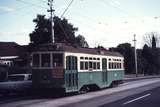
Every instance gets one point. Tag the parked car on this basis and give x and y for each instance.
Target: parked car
(16, 83)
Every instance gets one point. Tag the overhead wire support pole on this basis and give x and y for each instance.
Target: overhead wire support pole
(51, 10)
(135, 54)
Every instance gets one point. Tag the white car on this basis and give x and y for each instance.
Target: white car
(16, 83)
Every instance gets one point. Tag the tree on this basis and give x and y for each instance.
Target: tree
(128, 52)
(152, 38)
(153, 42)
(80, 40)
(64, 32)
(152, 58)
(41, 33)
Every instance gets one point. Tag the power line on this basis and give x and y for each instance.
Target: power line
(67, 8)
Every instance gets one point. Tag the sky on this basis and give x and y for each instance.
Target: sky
(102, 22)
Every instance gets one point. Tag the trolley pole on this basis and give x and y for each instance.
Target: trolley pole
(51, 10)
(135, 54)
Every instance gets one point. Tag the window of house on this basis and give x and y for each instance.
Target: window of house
(36, 60)
(45, 60)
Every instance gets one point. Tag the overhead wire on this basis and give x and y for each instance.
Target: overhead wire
(67, 8)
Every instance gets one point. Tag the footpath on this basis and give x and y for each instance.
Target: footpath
(132, 77)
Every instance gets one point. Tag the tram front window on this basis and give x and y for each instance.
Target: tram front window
(36, 60)
(45, 60)
(57, 60)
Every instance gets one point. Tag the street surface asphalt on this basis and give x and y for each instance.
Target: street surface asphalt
(140, 93)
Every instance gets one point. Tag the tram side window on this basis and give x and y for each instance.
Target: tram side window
(98, 65)
(94, 65)
(57, 60)
(45, 60)
(82, 65)
(86, 65)
(90, 65)
(36, 60)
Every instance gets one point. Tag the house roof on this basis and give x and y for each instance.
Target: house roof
(9, 49)
(74, 49)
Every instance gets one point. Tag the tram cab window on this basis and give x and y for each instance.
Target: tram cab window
(45, 60)
(57, 60)
(36, 60)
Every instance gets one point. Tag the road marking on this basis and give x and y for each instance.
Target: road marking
(136, 99)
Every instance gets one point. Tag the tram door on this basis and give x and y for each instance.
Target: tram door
(104, 71)
(71, 74)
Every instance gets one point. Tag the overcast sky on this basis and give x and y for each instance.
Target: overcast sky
(102, 22)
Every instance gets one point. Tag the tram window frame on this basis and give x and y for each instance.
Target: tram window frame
(37, 64)
(98, 65)
(46, 60)
(81, 57)
(94, 65)
(90, 58)
(86, 58)
(90, 64)
(81, 65)
(57, 60)
(110, 65)
(120, 65)
(86, 65)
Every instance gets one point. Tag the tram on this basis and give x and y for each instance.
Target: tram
(71, 68)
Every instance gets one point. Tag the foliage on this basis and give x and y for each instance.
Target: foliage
(64, 32)
(128, 52)
(151, 38)
(151, 54)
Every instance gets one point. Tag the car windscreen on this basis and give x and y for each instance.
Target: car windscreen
(16, 78)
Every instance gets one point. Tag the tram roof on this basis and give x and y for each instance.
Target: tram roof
(74, 49)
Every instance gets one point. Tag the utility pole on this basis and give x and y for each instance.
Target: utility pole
(135, 54)
(51, 10)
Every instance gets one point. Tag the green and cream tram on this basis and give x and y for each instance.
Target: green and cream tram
(59, 66)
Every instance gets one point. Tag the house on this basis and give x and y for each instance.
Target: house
(8, 52)
(14, 56)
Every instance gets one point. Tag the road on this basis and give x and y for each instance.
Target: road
(149, 98)
(126, 94)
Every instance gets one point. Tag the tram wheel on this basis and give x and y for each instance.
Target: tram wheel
(84, 90)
